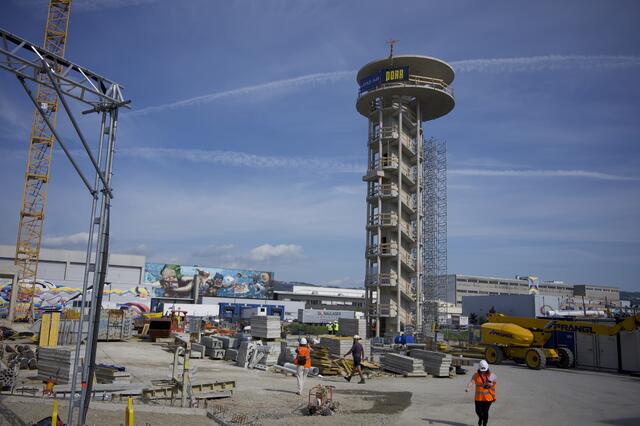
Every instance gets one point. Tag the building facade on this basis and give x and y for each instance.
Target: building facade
(397, 95)
(473, 285)
(335, 298)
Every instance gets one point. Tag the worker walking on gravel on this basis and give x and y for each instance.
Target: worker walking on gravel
(485, 383)
(357, 353)
(303, 362)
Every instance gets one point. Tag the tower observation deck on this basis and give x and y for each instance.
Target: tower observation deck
(396, 95)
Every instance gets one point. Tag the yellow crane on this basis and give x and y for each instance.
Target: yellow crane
(34, 198)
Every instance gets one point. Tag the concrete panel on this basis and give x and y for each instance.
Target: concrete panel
(586, 350)
(608, 352)
(630, 350)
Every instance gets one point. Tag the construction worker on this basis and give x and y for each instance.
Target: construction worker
(357, 353)
(485, 383)
(330, 327)
(336, 328)
(303, 362)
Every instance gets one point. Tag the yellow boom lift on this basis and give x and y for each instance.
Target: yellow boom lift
(526, 340)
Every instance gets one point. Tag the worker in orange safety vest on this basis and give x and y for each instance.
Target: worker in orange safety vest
(485, 383)
(303, 362)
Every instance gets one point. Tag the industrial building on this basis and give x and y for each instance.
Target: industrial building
(473, 285)
(396, 95)
(334, 298)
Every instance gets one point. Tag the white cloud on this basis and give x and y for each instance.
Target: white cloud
(272, 86)
(540, 173)
(546, 63)
(242, 159)
(72, 240)
(496, 65)
(269, 253)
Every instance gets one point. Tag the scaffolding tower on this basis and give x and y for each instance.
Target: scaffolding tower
(434, 236)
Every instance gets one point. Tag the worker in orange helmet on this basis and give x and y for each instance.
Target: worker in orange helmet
(485, 383)
(303, 362)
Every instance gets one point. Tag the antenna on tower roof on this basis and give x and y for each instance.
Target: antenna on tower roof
(391, 43)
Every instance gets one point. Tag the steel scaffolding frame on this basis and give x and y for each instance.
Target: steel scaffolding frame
(434, 235)
(68, 80)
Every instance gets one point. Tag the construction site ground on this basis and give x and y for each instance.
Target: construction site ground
(525, 397)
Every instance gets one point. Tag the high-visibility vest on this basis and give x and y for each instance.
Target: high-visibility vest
(305, 352)
(329, 327)
(482, 393)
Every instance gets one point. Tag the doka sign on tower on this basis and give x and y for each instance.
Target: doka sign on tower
(388, 75)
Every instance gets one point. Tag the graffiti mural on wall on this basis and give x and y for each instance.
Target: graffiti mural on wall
(49, 295)
(185, 282)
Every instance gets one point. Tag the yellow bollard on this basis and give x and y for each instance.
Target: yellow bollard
(54, 413)
(128, 417)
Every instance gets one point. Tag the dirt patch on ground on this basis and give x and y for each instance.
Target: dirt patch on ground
(383, 402)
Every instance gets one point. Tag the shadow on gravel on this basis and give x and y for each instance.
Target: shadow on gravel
(281, 391)
(383, 402)
(631, 421)
(443, 422)
(9, 416)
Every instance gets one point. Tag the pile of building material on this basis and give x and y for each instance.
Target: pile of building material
(401, 364)
(437, 364)
(265, 327)
(112, 374)
(7, 377)
(320, 358)
(213, 347)
(246, 353)
(115, 325)
(338, 346)
(352, 326)
(21, 356)
(56, 363)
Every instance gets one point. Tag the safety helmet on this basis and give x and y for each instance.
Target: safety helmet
(356, 337)
(303, 341)
(484, 365)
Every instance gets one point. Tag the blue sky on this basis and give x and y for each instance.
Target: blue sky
(243, 146)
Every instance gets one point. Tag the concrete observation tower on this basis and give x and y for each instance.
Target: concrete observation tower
(397, 95)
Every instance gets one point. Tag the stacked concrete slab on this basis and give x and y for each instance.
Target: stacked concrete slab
(56, 362)
(402, 364)
(435, 363)
(339, 346)
(265, 327)
(228, 342)
(246, 352)
(352, 326)
(231, 354)
(212, 342)
(106, 374)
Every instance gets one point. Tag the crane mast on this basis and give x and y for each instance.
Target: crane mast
(34, 198)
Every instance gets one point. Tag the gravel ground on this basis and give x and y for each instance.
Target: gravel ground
(525, 396)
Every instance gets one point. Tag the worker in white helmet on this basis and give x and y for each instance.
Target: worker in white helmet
(357, 352)
(303, 362)
(485, 383)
